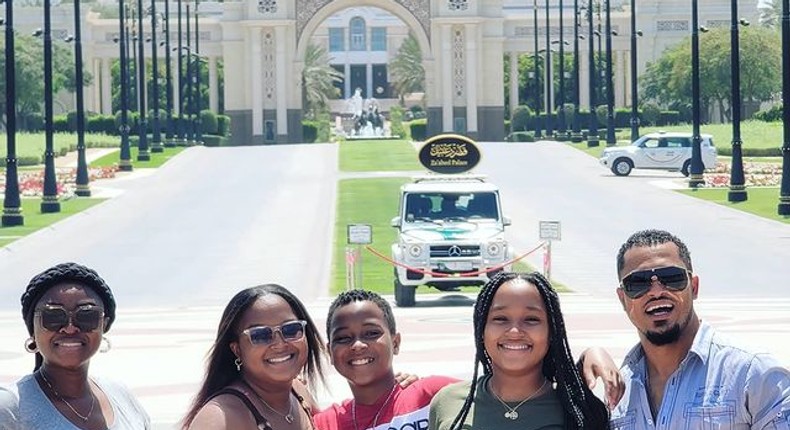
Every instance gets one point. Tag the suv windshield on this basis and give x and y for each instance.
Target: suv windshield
(440, 206)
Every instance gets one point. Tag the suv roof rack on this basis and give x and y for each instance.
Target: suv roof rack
(448, 178)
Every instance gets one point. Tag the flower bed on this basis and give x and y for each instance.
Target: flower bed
(755, 175)
(31, 182)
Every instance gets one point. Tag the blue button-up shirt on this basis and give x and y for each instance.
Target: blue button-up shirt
(717, 386)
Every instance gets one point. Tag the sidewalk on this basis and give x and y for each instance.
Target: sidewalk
(70, 159)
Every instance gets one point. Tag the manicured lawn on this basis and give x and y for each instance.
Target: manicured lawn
(157, 158)
(377, 155)
(35, 220)
(32, 144)
(755, 134)
(761, 202)
(367, 201)
(380, 197)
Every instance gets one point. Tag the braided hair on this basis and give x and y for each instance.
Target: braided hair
(583, 411)
(220, 368)
(59, 274)
(357, 295)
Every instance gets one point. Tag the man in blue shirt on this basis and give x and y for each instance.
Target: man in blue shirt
(682, 374)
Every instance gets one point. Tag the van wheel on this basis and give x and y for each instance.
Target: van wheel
(404, 294)
(622, 167)
(686, 169)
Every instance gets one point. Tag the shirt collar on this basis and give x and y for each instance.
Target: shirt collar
(635, 359)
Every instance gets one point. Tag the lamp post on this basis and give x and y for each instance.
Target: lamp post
(156, 134)
(537, 70)
(562, 126)
(125, 163)
(549, 80)
(12, 208)
(190, 125)
(695, 179)
(168, 80)
(592, 134)
(784, 190)
(737, 191)
(49, 201)
(577, 132)
(143, 153)
(83, 189)
(197, 123)
(634, 87)
(180, 127)
(611, 140)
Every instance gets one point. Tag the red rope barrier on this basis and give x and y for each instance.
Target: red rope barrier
(447, 275)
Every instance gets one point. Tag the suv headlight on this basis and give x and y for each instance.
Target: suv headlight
(414, 250)
(494, 248)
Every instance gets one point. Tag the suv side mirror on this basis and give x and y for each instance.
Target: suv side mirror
(395, 222)
(506, 221)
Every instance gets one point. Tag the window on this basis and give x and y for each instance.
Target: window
(357, 31)
(378, 39)
(337, 40)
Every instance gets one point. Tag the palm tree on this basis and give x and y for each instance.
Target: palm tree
(770, 13)
(318, 79)
(407, 70)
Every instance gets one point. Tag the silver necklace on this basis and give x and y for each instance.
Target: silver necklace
(288, 417)
(55, 392)
(511, 413)
(376, 417)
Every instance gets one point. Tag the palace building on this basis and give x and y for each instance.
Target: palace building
(261, 44)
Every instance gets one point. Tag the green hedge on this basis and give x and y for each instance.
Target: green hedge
(520, 136)
(309, 131)
(771, 114)
(751, 152)
(208, 122)
(419, 129)
(214, 140)
(223, 125)
(24, 161)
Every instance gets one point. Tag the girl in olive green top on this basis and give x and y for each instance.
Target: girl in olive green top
(529, 379)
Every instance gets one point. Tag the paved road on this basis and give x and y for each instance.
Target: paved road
(734, 253)
(180, 240)
(208, 223)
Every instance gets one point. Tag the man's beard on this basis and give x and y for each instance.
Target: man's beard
(665, 337)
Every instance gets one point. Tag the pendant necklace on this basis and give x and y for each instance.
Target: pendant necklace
(288, 417)
(512, 413)
(376, 418)
(84, 418)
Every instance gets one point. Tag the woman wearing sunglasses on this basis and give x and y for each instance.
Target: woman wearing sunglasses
(265, 341)
(67, 309)
(529, 379)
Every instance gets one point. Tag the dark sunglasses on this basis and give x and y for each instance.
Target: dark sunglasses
(637, 283)
(264, 335)
(86, 318)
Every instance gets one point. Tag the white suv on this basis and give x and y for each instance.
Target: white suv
(662, 151)
(451, 231)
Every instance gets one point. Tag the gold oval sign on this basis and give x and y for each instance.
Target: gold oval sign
(449, 154)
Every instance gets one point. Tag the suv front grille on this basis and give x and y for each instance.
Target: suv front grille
(450, 251)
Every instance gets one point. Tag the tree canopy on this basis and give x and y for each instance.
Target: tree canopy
(318, 78)
(668, 80)
(29, 80)
(406, 68)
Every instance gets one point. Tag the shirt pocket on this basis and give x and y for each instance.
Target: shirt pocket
(710, 417)
(781, 422)
(626, 422)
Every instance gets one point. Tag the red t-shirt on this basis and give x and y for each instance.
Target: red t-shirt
(407, 409)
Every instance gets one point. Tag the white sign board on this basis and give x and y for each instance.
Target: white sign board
(360, 234)
(550, 230)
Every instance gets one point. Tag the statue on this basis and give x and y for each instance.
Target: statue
(365, 122)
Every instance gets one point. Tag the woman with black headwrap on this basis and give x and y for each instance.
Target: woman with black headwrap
(67, 309)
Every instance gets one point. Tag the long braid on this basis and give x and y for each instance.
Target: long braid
(482, 306)
(583, 411)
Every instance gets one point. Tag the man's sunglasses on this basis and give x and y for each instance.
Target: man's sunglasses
(264, 335)
(637, 283)
(86, 318)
